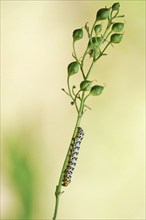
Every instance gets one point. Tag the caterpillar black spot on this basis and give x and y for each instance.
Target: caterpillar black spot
(73, 157)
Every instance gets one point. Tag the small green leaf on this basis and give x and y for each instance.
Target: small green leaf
(117, 27)
(116, 6)
(96, 90)
(116, 38)
(102, 14)
(77, 34)
(73, 68)
(85, 85)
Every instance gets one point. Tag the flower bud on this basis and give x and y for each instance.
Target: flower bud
(98, 28)
(117, 27)
(77, 34)
(73, 68)
(85, 85)
(102, 14)
(96, 90)
(116, 38)
(116, 6)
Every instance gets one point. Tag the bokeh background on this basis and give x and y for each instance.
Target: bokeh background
(38, 120)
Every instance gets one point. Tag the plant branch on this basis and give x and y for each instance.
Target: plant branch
(71, 94)
(79, 64)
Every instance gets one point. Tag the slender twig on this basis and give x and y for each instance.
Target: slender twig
(80, 113)
(79, 64)
(71, 94)
(59, 186)
(66, 92)
(103, 51)
(93, 61)
(85, 53)
(74, 52)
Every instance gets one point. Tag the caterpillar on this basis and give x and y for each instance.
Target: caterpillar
(73, 157)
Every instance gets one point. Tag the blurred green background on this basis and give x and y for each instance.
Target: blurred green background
(37, 119)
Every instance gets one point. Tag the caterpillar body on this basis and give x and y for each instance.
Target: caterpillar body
(73, 157)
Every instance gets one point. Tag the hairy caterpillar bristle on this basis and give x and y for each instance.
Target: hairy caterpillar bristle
(73, 157)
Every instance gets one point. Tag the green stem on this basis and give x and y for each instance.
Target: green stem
(74, 51)
(66, 92)
(84, 55)
(107, 35)
(79, 117)
(80, 110)
(75, 56)
(103, 51)
(81, 68)
(78, 121)
(108, 26)
(106, 30)
(57, 195)
(76, 96)
(93, 61)
(59, 186)
(69, 90)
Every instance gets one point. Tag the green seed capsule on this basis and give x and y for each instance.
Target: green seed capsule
(102, 14)
(116, 38)
(85, 85)
(94, 52)
(98, 28)
(77, 34)
(96, 42)
(117, 27)
(116, 6)
(96, 90)
(73, 68)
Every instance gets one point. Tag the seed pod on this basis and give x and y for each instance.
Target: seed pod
(98, 28)
(117, 27)
(77, 34)
(96, 90)
(116, 6)
(85, 85)
(73, 68)
(102, 14)
(116, 38)
(94, 52)
(96, 42)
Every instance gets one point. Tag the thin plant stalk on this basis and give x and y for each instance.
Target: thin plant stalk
(96, 46)
(58, 191)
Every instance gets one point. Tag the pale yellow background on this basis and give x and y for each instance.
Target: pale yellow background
(36, 48)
